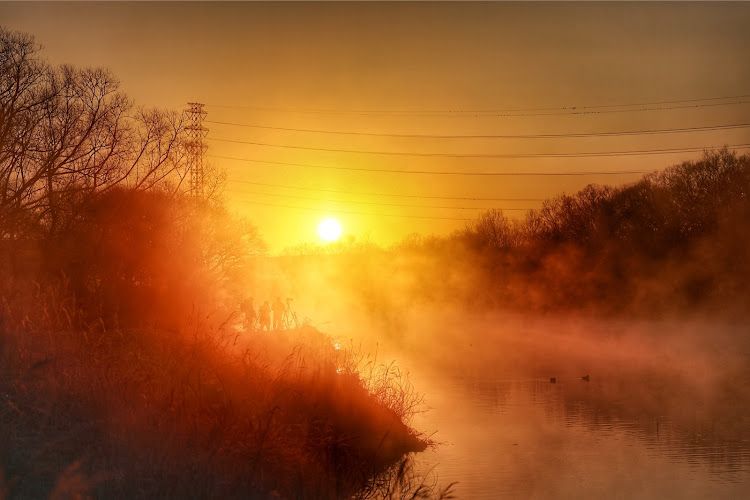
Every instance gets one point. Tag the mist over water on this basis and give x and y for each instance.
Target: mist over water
(597, 349)
(664, 421)
(659, 418)
(662, 415)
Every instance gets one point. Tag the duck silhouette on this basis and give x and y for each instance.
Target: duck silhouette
(553, 380)
(585, 378)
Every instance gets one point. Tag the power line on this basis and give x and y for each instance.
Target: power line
(383, 194)
(488, 155)
(350, 212)
(493, 136)
(372, 202)
(432, 172)
(561, 110)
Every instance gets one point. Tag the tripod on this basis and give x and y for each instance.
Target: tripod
(289, 318)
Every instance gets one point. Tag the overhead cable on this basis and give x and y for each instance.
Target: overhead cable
(433, 172)
(493, 136)
(382, 194)
(487, 155)
(543, 111)
(278, 195)
(350, 212)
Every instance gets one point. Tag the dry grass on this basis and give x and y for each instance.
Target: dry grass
(402, 482)
(203, 413)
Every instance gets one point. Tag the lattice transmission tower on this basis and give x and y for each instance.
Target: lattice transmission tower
(195, 146)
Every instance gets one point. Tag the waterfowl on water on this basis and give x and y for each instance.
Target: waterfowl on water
(553, 380)
(585, 378)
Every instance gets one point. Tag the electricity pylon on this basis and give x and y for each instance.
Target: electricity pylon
(195, 146)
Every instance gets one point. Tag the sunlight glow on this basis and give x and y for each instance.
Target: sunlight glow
(329, 229)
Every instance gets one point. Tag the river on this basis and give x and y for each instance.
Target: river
(665, 418)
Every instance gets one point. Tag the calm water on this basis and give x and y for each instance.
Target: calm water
(519, 438)
(620, 436)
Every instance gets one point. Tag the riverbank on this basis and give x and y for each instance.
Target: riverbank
(203, 414)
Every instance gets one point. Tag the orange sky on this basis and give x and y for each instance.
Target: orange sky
(415, 69)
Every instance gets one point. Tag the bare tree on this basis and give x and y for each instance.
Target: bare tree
(494, 229)
(67, 133)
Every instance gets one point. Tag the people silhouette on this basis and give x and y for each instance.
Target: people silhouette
(278, 311)
(248, 309)
(265, 316)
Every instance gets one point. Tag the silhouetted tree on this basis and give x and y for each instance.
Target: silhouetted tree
(92, 197)
(66, 134)
(680, 233)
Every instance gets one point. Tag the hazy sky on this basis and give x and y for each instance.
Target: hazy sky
(416, 69)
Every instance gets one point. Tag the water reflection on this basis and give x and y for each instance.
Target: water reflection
(528, 438)
(406, 479)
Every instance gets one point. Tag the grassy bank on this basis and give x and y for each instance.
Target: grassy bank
(202, 413)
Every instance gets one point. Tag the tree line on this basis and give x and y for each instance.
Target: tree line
(674, 239)
(95, 201)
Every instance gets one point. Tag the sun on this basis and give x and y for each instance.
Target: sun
(329, 229)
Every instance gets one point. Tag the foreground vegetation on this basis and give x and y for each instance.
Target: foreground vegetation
(206, 414)
(124, 371)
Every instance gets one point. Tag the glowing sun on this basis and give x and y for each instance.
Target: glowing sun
(329, 229)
